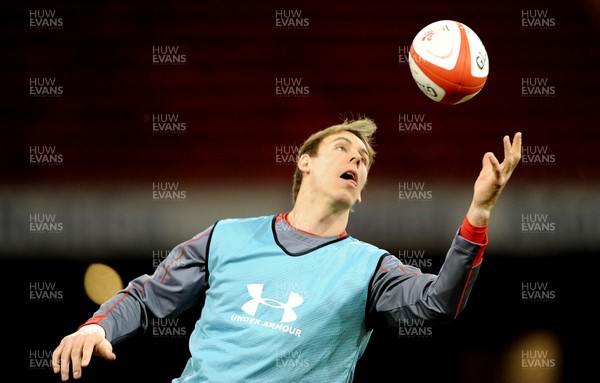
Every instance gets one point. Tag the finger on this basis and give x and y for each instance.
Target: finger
(512, 153)
(490, 160)
(508, 153)
(88, 349)
(56, 359)
(65, 361)
(516, 148)
(76, 352)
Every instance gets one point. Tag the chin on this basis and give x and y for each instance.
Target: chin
(347, 204)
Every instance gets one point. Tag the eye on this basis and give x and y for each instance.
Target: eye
(363, 160)
(340, 148)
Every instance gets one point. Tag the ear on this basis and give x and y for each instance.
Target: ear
(304, 163)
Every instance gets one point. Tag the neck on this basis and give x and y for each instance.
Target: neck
(319, 220)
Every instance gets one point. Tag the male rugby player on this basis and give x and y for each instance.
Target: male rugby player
(295, 283)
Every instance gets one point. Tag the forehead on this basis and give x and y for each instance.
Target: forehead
(345, 136)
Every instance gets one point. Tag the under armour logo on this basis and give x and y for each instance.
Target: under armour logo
(255, 291)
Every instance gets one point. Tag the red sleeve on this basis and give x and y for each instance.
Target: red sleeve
(476, 234)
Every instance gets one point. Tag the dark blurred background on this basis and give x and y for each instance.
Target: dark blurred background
(127, 128)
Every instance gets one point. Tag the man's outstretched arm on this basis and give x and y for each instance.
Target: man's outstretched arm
(403, 292)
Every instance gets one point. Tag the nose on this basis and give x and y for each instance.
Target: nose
(356, 159)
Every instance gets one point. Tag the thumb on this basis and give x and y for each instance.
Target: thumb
(105, 350)
(490, 161)
(487, 158)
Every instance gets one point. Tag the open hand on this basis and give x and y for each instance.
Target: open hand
(492, 179)
(77, 348)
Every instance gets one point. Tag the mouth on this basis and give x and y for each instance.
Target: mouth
(350, 176)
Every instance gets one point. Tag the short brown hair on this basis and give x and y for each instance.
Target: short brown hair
(364, 128)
